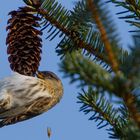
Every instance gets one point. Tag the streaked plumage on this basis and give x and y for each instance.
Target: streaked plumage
(23, 97)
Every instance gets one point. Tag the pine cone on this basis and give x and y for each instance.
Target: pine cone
(24, 42)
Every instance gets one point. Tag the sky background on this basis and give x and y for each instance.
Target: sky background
(65, 120)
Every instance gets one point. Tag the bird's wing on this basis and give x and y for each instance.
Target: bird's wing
(30, 110)
(18, 91)
(12, 112)
(24, 112)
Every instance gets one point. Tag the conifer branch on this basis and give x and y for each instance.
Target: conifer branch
(103, 111)
(128, 98)
(80, 44)
(132, 10)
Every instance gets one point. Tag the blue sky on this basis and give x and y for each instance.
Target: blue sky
(65, 120)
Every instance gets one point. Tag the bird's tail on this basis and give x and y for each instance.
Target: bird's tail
(7, 121)
(2, 123)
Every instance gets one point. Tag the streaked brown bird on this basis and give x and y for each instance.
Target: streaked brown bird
(24, 97)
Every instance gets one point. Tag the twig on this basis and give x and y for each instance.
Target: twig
(96, 17)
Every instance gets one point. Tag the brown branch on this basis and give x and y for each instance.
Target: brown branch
(130, 100)
(96, 17)
(72, 34)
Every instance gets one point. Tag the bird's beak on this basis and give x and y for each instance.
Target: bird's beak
(40, 75)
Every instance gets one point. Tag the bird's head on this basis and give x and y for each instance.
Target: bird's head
(45, 75)
(51, 78)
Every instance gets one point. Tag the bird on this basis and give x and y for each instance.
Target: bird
(24, 97)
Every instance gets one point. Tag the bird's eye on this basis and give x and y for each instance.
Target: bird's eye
(50, 76)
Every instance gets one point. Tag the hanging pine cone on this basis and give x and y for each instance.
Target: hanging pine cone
(24, 42)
